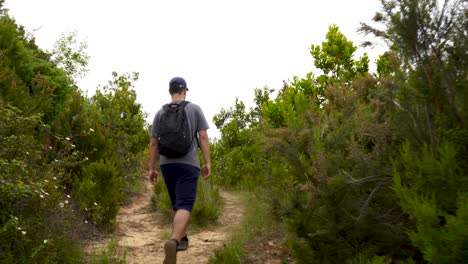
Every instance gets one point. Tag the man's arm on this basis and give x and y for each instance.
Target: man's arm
(153, 156)
(205, 148)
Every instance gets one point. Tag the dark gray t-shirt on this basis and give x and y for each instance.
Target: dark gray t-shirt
(196, 120)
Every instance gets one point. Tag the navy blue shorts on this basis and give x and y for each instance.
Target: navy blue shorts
(181, 182)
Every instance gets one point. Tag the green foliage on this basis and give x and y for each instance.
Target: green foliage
(257, 226)
(99, 192)
(111, 255)
(335, 59)
(28, 79)
(374, 260)
(208, 205)
(433, 191)
(38, 222)
(122, 123)
(58, 153)
(236, 160)
(71, 56)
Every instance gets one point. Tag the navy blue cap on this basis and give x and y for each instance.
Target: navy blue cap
(180, 81)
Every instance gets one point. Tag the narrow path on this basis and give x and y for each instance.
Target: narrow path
(142, 233)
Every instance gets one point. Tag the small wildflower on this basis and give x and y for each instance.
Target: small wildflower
(45, 241)
(16, 218)
(56, 160)
(86, 209)
(23, 232)
(27, 152)
(46, 181)
(56, 187)
(68, 196)
(67, 138)
(46, 193)
(55, 178)
(86, 221)
(42, 196)
(19, 228)
(95, 204)
(90, 129)
(86, 158)
(50, 147)
(73, 145)
(61, 205)
(66, 201)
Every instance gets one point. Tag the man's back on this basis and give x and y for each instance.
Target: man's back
(196, 121)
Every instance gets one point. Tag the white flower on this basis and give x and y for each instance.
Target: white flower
(95, 204)
(90, 129)
(56, 187)
(27, 152)
(72, 145)
(55, 178)
(86, 158)
(66, 201)
(16, 218)
(67, 138)
(68, 196)
(19, 228)
(86, 209)
(45, 241)
(23, 232)
(56, 160)
(46, 181)
(86, 221)
(50, 147)
(42, 196)
(61, 205)
(46, 193)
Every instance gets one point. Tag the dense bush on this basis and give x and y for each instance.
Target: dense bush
(66, 161)
(365, 168)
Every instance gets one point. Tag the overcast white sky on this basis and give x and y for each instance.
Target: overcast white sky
(224, 49)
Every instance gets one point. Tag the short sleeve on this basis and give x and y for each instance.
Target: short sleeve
(202, 124)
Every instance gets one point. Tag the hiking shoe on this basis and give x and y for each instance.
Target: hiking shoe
(183, 244)
(170, 249)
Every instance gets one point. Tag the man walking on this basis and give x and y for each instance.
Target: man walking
(180, 168)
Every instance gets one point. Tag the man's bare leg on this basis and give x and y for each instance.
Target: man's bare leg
(180, 224)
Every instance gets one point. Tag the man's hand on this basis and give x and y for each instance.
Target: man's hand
(206, 171)
(153, 176)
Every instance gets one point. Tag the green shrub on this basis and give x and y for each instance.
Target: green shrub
(99, 192)
(208, 205)
(111, 255)
(38, 220)
(257, 226)
(433, 191)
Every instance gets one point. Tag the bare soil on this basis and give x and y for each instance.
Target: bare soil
(142, 232)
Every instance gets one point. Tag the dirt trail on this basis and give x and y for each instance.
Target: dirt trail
(142, 232)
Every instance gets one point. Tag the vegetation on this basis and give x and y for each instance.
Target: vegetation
(363, 167)
(67, 161)
(343, 164)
